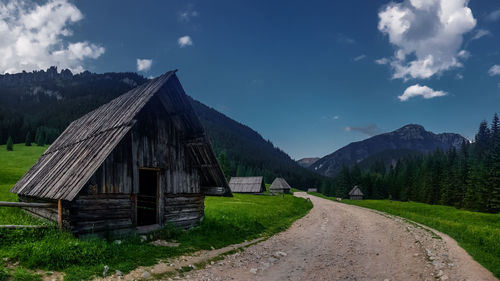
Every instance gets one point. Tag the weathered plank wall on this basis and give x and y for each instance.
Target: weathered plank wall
(44, 213)
(101, 212)
(184, 210)
(160, 145)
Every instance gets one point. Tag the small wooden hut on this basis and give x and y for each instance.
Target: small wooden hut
(356, 194)
(247, 184)
(140, 160)
(279, 185)
(312, 190)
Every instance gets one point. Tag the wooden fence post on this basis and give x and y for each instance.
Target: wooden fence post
(59, 213)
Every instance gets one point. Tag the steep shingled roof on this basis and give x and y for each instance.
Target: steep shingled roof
(279, 184)
(247, 184)
(67, 165)
(356, 191)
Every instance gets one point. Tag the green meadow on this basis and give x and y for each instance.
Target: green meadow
(478, 233)
(227, 221)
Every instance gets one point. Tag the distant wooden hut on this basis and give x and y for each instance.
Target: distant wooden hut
(279, 185)
(312, 190)
(140, 160)
(356, 194)
(247, 184)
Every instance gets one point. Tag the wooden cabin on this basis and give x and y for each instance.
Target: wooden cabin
(312, 190)
(139, 161)
(247, 185)
(279, 185)
(355, 193)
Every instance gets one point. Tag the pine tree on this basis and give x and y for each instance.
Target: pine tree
(224, 164)
(27, 141)
(494, 180)
(40, 137)
(343, 182)
(494, 162)
(10, 144)
(482, 139)
(495, 129)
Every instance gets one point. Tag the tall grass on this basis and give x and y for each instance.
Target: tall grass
(478, 233)
(227, 221)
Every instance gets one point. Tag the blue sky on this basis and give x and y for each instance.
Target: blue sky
(311, 76)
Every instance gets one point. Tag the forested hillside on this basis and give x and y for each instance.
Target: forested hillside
(37, 107)
(467, 177)
(243, 152)
(41, 104)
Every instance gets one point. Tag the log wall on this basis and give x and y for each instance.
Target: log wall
(44, 213)
(100, 213)
(184, 210)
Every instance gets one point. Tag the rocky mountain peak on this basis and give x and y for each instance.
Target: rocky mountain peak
(412, 138)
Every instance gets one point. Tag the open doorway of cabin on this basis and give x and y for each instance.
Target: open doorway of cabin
(147, 198)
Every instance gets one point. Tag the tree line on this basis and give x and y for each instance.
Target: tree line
(468, 177)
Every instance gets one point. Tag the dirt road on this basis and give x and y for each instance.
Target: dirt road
(341, 242)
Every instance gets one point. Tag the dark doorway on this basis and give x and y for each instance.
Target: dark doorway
(147, 199)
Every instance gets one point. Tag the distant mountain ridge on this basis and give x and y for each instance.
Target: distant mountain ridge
(408, 139)
(307, 162)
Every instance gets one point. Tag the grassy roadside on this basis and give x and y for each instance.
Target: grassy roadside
(227, 221)
(478, 233)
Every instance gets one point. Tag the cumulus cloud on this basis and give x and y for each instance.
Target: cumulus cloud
(493, 16)
(427, 35)
(360, 57)
(423, 91)
(185, 41)
(494, 70)
(144, 64)
(32, 37)
(369, 130)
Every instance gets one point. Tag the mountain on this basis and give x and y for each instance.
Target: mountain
(45, 102)
(307, 162)
(408, 139)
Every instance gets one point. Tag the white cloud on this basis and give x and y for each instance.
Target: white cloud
(144, 64)
(329, 117)
(188, 14)
(493, 16)
(463, 54)
(382, 61)
(494, 70)
(427, 35)
(369, 130)
(360, 57)
(417, 90)
(480, 33)
(32, 37)
(185, 41)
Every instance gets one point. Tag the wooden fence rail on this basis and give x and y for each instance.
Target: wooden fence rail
(23, 226)
(27, 205)
(34, 205)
